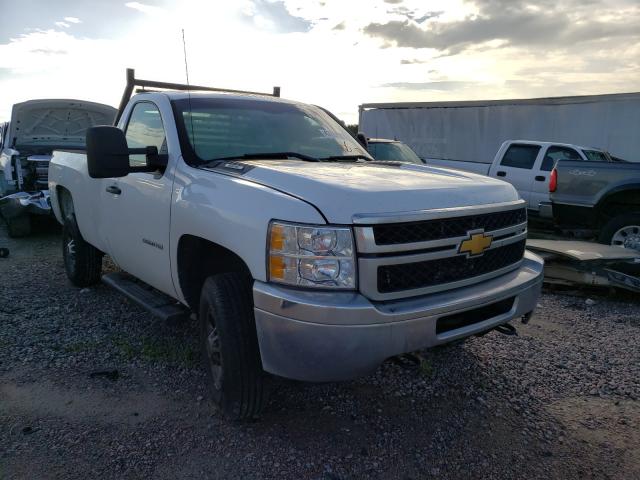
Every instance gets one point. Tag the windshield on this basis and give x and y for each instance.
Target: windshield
(595, 156)
(213, 128)
(394, 151)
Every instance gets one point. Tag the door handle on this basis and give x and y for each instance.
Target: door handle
(113, 189)
(502, 174)
(540, 178)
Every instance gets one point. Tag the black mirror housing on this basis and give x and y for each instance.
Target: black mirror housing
(107, 152)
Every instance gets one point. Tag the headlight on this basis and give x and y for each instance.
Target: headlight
(311, 256)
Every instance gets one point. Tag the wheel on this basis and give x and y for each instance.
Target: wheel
(230, 345)
(82, 261)
(622, 230)
(19, 226)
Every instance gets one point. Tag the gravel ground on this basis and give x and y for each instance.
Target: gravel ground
(561, 400)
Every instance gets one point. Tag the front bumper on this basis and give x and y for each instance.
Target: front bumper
(331, 336)
(23, 203)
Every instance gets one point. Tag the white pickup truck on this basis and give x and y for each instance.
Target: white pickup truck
(300, 255)
(527, 165)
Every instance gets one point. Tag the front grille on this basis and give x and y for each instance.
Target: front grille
(412, 232)
(410, 276)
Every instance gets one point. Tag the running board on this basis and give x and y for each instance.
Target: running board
(152, 300)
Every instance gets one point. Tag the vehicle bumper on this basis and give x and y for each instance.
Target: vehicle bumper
(546, 210)
(24, 203)
(331, 336)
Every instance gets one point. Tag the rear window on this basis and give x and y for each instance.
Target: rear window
(555, 154)
(595, 156)
(520, 156)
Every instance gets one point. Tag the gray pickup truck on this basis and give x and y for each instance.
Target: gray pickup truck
(598, 200)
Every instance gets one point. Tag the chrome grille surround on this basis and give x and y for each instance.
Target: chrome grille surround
(371, 255)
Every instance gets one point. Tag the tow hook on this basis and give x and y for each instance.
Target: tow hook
(507, 329)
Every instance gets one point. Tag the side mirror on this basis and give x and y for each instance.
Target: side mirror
(362, 138)
(107, 152)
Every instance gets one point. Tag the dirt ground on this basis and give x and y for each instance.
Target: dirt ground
(91, 386)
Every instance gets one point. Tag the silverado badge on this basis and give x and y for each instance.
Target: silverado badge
(476, 244)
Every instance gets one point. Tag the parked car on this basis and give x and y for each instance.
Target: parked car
(384, 149)
(527, 166)
(300, 256)
(597, 199)
(36, 128)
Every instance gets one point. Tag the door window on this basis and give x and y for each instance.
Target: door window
(145, 129)
(520, 156)
(554, 154)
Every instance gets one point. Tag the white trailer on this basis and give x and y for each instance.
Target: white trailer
(472, 131)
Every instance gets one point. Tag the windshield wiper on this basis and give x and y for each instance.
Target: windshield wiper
(337, 158)
(267, 156)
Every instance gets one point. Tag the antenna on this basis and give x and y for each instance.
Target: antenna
(186, 69)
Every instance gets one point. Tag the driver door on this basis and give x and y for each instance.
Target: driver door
(137, 206)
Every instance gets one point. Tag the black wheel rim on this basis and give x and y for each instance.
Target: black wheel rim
(212, 344)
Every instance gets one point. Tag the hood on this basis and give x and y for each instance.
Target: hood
(57, 123)
(341, 190)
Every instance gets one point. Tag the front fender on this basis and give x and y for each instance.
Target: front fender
(231, 212)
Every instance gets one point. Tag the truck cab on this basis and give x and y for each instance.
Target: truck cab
(527, 165)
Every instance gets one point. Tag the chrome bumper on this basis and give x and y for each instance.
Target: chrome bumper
(322, 336)
(23, 203)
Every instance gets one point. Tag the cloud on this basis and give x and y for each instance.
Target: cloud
(273, 15)
(340, 26)
(393, 2)
(415, 61)
(143, 7)
(62, 24)
(48, 51)
(441, 85)
(428, 16)
(88, 19)
(512, 23)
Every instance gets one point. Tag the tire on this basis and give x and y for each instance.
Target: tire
(622, 230)
(19, 226)
(82, 261)
(229, 345)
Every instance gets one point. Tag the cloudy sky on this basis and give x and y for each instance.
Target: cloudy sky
(335, 53)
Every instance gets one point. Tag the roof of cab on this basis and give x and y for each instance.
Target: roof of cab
(558, 144)
(181, 95)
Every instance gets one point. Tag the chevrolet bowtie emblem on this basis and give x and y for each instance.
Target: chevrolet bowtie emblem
(476, 244)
